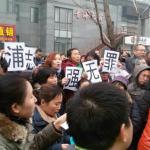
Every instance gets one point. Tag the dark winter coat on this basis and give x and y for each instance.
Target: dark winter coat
(140, 106)
(39, 123)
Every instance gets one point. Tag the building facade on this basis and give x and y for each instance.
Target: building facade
(61, 24)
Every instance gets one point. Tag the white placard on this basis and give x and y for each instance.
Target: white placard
(110, 60)
(65, 125)
(15, 55)
(29, 56)
(91, 68)
(74, 75)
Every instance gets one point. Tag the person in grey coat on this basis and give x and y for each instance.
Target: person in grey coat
(141, 103)
(139, 52)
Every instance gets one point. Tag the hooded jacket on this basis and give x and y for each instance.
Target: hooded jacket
(140, 106)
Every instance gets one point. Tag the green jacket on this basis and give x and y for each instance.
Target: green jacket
(14, 136)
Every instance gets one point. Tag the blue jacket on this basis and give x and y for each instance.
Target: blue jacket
(39, 123)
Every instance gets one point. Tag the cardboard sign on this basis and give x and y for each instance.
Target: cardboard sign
(91, 68)
(74, 75)
(110, 60)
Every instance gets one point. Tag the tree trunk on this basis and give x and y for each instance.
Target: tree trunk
(110, 26)
(100, 26)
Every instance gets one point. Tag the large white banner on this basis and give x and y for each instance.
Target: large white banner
(15, 56)
(18, 56)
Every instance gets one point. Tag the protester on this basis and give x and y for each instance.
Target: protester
(17, 104)
(83, 83)
(45, 75)
(138, 53)
(92, 56)
(72, 61)
(98, 118)
(38, 57)
(122, 83)
(105, 76)
(63, 57)
(137, 91)
(50, 99)
(82, 59)
(53, 60)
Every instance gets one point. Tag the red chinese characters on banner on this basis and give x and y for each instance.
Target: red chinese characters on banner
(7, 33)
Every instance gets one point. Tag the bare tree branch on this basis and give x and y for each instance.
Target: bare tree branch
(91, 17)
(99, 25)
(110, 39)
(135, 6)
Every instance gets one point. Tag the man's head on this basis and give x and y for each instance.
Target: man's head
(142, 74)
(74, 55)
(38, 54)
(139, 51)
(98, 118)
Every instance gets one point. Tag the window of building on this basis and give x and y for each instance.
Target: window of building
(63, 29)
(34, 18)
(17, 12)
(3, 6)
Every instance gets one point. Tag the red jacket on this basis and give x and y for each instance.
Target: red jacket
(67, 63)
(144, 142)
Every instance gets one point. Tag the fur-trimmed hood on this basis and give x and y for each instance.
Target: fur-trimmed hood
(12, 131)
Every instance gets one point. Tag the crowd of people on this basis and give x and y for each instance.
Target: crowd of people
(110, 115)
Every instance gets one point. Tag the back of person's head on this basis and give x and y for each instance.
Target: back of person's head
(83, 82)
(92, 56)
(43, 74)
(122, 80)
(96, 115)
(13, 89)
(48, 92)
